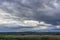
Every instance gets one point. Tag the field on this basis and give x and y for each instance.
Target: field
(29, 37)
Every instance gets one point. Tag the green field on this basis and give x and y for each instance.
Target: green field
(29, 37)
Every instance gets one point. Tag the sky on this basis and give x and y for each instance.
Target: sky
(30, 15)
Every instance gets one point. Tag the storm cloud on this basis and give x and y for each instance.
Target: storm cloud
(40, 10)
(19, 12)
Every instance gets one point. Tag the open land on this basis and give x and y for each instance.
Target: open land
(29, 37)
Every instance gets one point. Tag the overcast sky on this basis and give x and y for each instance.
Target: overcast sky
(29, 15)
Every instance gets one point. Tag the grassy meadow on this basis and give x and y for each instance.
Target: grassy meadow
(29, 37)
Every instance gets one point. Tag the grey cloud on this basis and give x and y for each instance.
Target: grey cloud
(41, 10)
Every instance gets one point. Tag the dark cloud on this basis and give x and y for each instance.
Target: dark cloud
(41, 10)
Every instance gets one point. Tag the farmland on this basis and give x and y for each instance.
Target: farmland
(29, 37)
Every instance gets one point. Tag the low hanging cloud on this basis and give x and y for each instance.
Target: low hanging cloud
(39, 10)
(30, 14)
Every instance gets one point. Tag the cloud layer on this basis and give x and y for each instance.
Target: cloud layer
(29, 15)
